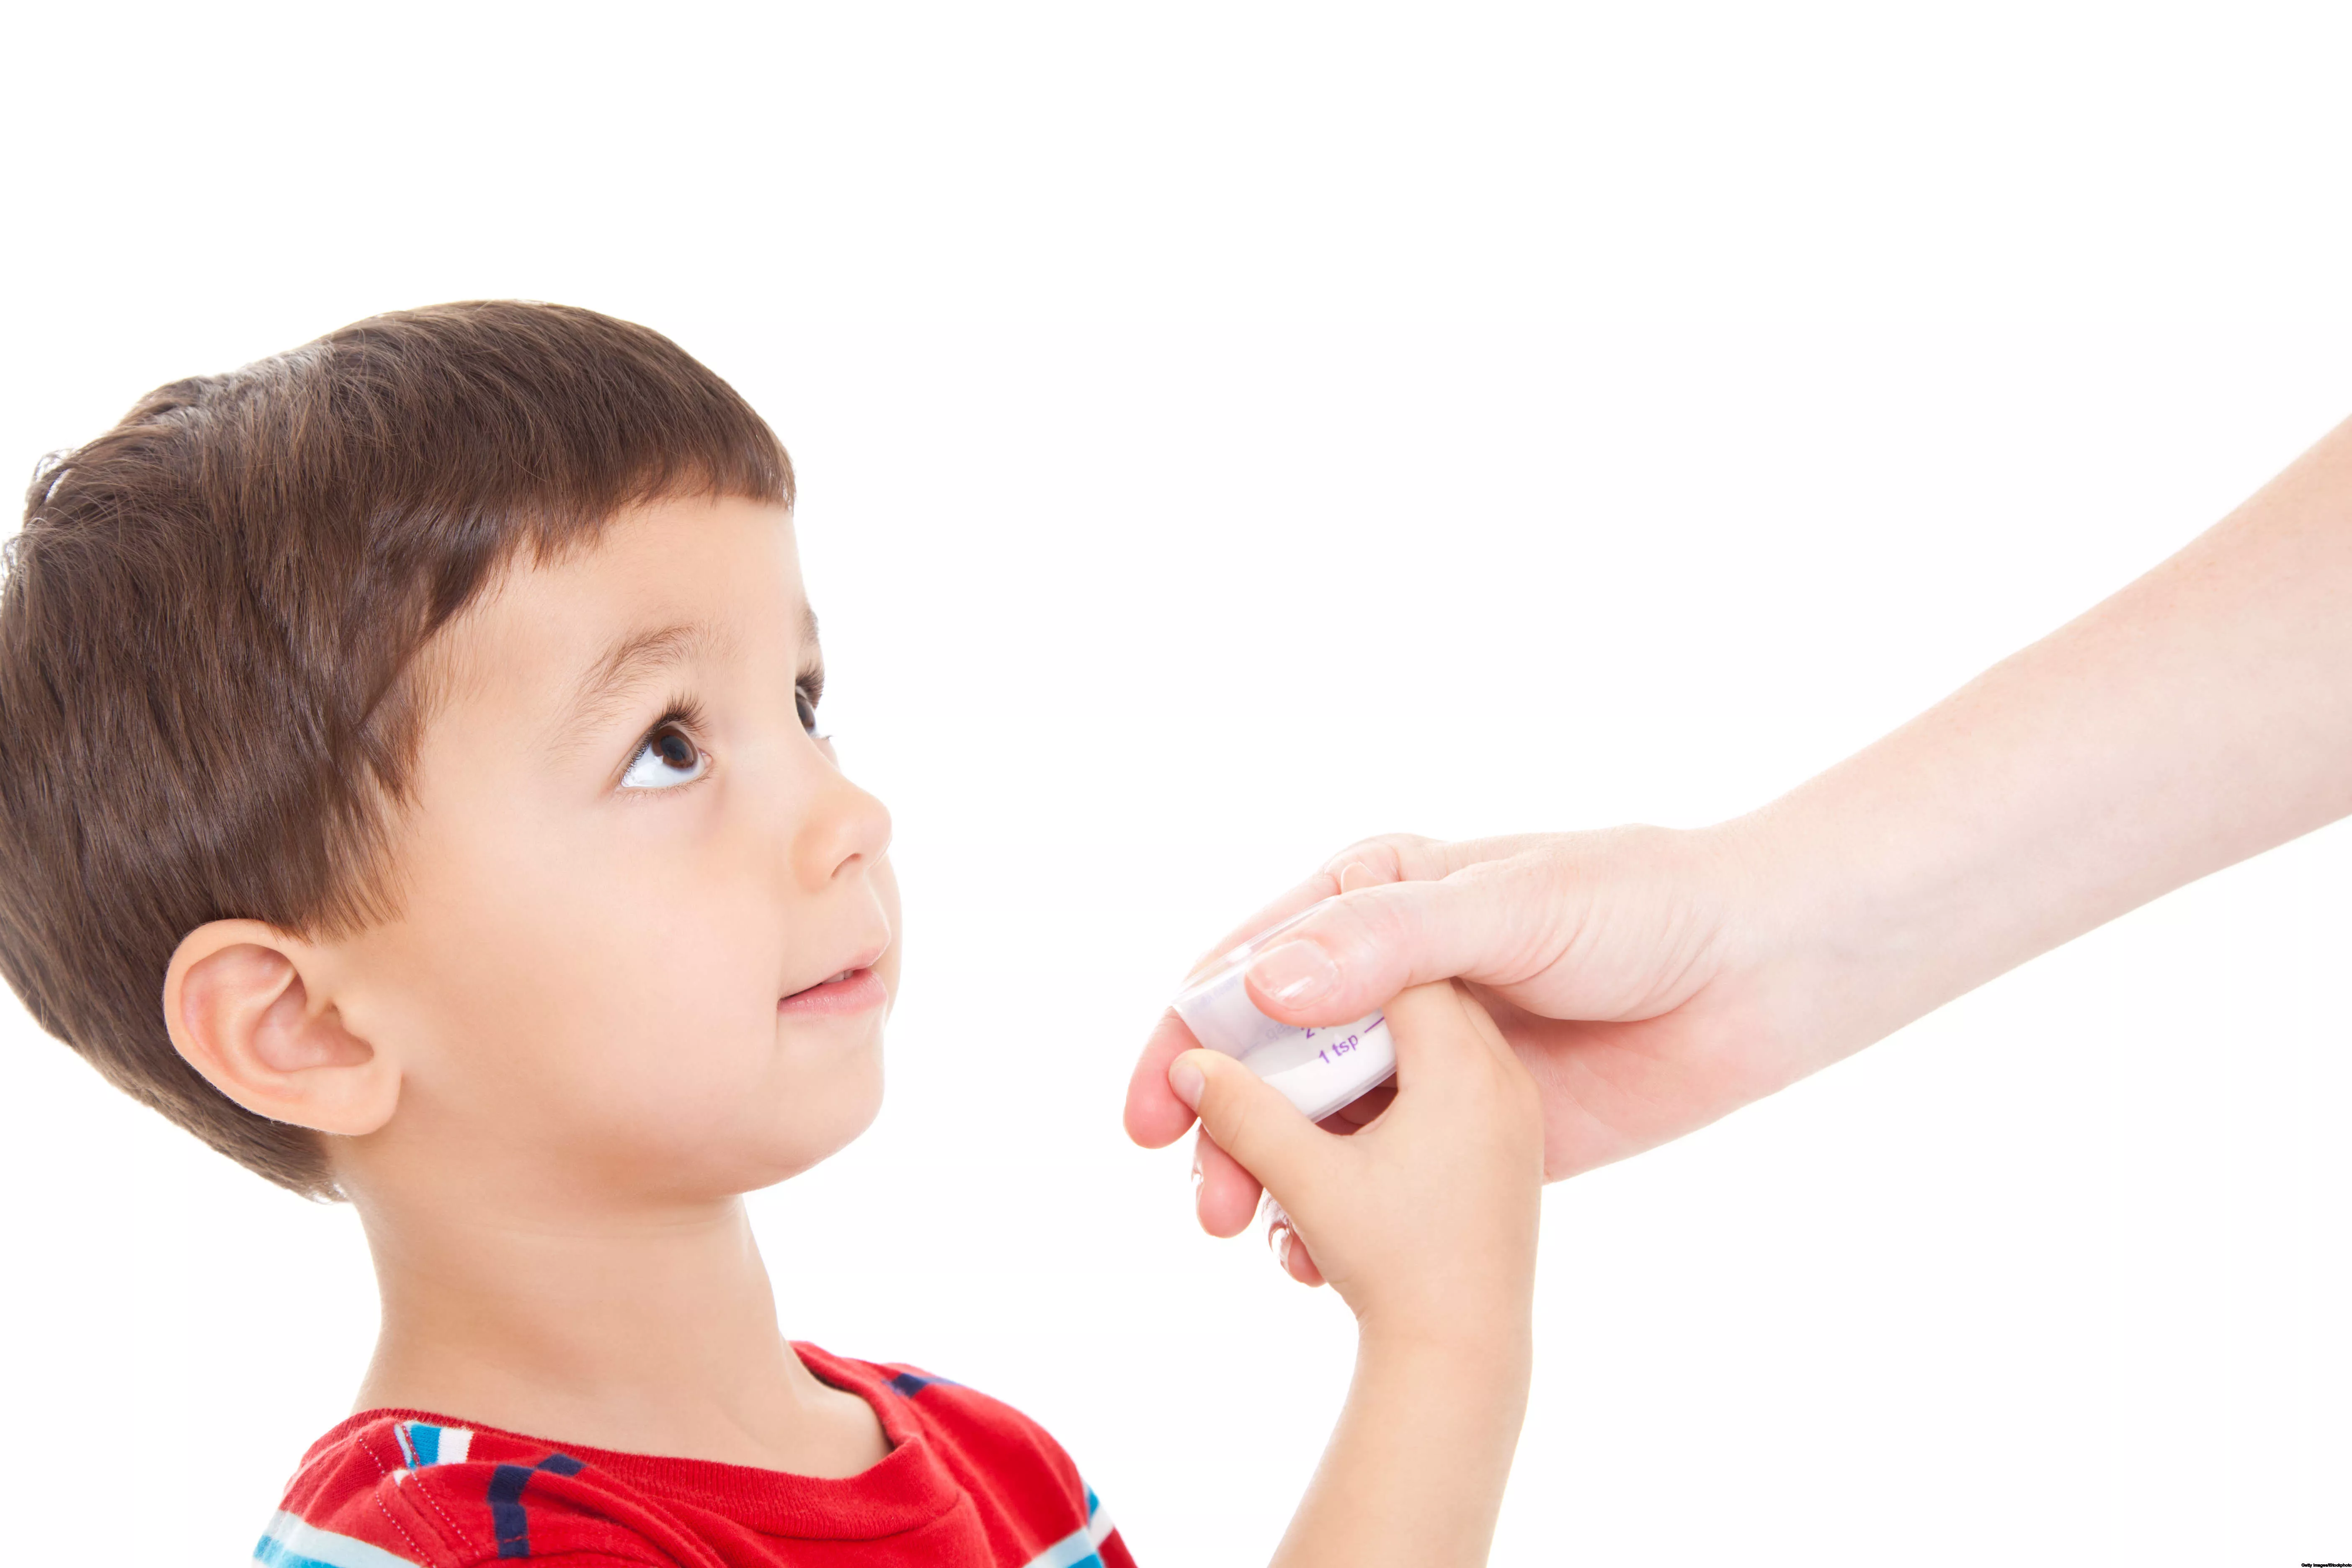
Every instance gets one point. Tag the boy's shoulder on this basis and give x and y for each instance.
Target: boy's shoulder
(969, 1479)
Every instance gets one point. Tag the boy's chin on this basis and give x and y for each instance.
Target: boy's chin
(680, 1157)
(708, 1173)
(807, 1136)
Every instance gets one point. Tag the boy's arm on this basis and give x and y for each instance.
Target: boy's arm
(1424, 1222)
(1414, 1470)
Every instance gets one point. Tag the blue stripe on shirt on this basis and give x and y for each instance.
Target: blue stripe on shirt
(510, 1521)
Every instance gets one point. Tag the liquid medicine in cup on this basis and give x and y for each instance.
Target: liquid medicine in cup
(1318, 1070)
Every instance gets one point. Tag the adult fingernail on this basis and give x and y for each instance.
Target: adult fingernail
(1185, 1079)
(1279, 1240)
(1294, 973)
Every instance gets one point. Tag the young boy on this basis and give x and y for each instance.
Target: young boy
(430, 715)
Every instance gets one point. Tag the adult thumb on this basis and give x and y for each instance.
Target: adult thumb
(1247, 1118)
(1349, 956)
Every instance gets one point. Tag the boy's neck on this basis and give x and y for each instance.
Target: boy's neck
(652, 1332)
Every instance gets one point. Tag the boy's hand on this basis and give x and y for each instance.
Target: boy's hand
(1425, 1221)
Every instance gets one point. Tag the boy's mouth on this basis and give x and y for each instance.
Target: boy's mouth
(850, 991)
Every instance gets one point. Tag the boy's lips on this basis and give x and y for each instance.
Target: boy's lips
(851, 990)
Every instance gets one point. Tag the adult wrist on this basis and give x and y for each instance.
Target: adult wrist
(1858, 921)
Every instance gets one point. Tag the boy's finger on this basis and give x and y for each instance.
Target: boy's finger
(1155, 1117)
(1357, 1114)
(1438, 1030)
(1248, 1119)
(1224, 1195)
(1290, 1250)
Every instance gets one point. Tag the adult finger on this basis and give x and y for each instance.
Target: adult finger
(1494, 922)
(1390, 857)
(1292, 902)
(1155, 1117)
(1224, 1195)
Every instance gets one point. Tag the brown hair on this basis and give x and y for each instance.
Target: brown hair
(209, 623)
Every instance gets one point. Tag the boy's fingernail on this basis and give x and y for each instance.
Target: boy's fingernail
(1186, 1080)
(1294, 973)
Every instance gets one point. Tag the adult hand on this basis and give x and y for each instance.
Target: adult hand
(1653, 980)
(1620, 965)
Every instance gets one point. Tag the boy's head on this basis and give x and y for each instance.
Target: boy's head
(425, 718)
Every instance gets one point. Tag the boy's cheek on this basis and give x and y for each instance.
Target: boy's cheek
(727, 1104)
(520, 1004)
(633, 1019)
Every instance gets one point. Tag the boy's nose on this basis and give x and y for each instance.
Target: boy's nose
(845, 829)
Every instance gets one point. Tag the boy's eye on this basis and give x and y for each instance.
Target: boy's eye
(667, 759)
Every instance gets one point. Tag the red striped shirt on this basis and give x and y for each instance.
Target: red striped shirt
(967, 1482)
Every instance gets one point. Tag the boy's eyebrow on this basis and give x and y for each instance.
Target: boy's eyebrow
(632, 656)
(622, 666)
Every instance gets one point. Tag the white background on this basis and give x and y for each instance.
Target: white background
(1227, 432)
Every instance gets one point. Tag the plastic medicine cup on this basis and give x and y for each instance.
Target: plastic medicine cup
(1318, 1070)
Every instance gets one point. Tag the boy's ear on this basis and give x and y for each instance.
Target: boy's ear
(239, 1011)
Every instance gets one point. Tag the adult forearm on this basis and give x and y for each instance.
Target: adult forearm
(2202, 715)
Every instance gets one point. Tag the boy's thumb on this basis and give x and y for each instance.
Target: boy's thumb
(1246, 1117)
